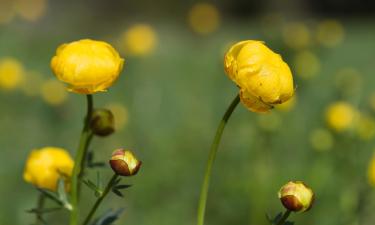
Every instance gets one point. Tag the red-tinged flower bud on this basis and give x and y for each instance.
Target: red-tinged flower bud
(124, 163)
(102, 122)
(296, 196)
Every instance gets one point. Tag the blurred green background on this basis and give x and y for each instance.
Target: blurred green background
(172, 94)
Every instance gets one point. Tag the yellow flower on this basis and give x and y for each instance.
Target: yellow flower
(139, 40)
(371, 171)
(204, 18)
(87, 66)
(11, 73)
(330, 33)
(340, 116)
(45, 166)
(263, 77)
(53, 92)
(296, 196)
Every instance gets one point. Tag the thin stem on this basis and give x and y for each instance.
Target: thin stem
(100, 199)
(211, 159)
(79, 163)
(39, 207)
(284, 217)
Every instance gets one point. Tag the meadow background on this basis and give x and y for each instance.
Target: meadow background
(172, 94)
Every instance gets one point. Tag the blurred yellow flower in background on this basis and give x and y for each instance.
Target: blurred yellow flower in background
(53, 92)
(349, 81)
(204, 18)
(263, 77)
(45, 166)
(330, 33)
(31, 10)
(139, 40)
(340, 116)
(87, 66)
(306, 64)
(6, 11)
(371, 171)
(288, 105)
(11, 73)
(321, 139)
(365, 127)
(120, 114)
(296, 35)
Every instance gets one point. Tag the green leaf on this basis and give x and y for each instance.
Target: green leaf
(50, 195)
(289, 223)
(108, 218)
(42, 211)
(117, 192)
(97, 191)
(62, 194)
(123, 186)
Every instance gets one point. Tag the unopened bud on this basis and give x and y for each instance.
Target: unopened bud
(124, 163)
(102, 122)
(296, 196)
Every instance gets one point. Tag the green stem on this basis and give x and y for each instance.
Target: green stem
(39, 207)
(100, 199)
(211, 159)
(284, 217)
(79, 161)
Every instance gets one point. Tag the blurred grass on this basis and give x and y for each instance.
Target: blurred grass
(175, 98)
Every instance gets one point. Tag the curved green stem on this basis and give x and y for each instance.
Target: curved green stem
(284, 217)
(211, 159)
(40, 206)
(100, 199)
(79, 161)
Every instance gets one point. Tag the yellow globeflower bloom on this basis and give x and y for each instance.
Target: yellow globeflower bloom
(371, 171)
(53, 92)
(87, 66)
(31, 10)
(340, 116)
(204, 18)
(263, 77)
(139, 40)
(45, 166)
(330, 33)
(11, 73)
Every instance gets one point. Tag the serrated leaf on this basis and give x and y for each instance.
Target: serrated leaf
(118, 193)
(123, 186)
(108, 218)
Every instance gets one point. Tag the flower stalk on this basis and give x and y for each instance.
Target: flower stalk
(211, 159)
(80, 161)
(284, 217)
(109, 186)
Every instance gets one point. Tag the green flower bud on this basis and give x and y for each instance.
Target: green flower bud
(296, 196)
(102, 122)
(124, 163)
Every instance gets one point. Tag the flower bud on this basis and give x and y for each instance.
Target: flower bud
(124, 163)
(296, 196)
(102, 122)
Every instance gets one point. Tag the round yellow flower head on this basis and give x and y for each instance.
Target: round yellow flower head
(340, 116)
(44, 167)
(139, 40)
(87, 66)
(296, 196)
(263, 77)
(11, 73)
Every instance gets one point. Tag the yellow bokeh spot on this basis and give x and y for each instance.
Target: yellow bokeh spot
(31, 10)
(54, 92)
(139, 40)
(11, 73)
(306, 64)
(321, 140)
(341, 116)
(371, 171)
(348, 81)
(288, 105)
(204, 18)
(330, 33)
(269, 122)
(365, 127)
(32, 83)
(296, 35)
(120, 113)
